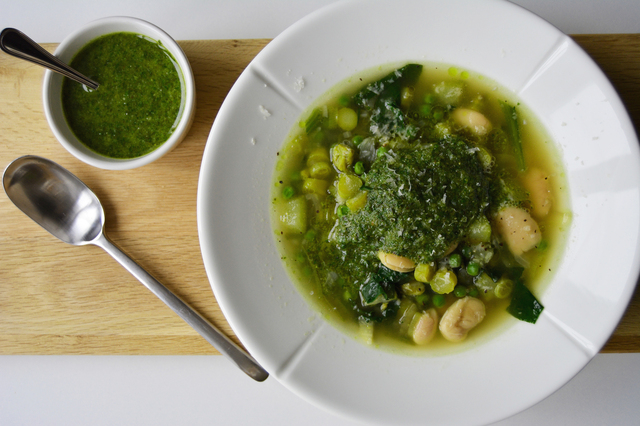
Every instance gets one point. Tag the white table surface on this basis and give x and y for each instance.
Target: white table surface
(207, 390)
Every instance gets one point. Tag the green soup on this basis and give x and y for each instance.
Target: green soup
(138, 103)
(415, 207)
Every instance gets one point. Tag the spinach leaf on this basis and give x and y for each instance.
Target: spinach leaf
(380, 288)
(382, 100)
(511, 116)
(524, 305)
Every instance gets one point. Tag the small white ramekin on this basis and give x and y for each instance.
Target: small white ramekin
(52, 89)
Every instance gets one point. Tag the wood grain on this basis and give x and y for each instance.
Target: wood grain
(60, 299)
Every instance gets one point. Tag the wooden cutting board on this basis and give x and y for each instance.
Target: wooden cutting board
(61, 299)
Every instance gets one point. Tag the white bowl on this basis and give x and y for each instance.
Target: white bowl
(492, 380)
(53, 85)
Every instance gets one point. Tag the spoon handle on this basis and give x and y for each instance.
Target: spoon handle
(18, 44)
(207, 330)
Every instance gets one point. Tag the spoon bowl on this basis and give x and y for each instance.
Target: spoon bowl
(63, 205)
(55, 199)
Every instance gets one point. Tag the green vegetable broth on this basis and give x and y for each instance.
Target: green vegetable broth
(330, 271)
(139, 101)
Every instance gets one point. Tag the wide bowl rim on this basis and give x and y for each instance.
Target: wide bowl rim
(246, 93)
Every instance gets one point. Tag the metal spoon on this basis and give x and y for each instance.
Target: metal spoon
(63, 205)
(17, 44)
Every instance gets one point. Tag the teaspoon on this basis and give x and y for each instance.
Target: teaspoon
(16, 43)
(63, 205)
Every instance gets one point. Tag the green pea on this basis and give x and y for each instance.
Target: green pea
(473, 268)
(460, 291)
(310, 235)
(439, 300)
(358, 168)
(343, 210)
(318, 136)
(357, 140)
(438, 113)
(344, 100)
(422, 298)
(542, 245)
(288, 192)
(381, 151)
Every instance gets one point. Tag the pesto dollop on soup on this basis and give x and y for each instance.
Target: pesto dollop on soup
(416, 205)
(138, 103)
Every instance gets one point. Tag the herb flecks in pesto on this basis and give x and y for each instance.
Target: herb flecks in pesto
(139, 99)
(420, 201)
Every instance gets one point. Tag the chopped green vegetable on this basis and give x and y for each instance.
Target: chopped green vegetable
(380, 288)
(511, 116)
(503, 288)
(479, 231)
(313, 122)
(524, 305)
(455, 260)
(357, 202)
(424, 272)
(383, 100)
(293, 215)
(348, 185)
(320, 170)
(444, 281)
(342, 156)
(413, 288)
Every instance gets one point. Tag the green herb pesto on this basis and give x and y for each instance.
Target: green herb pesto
(138, 103)
(420, 201)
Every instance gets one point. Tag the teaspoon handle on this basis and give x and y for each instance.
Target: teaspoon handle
(18, 44)
(207, 330)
